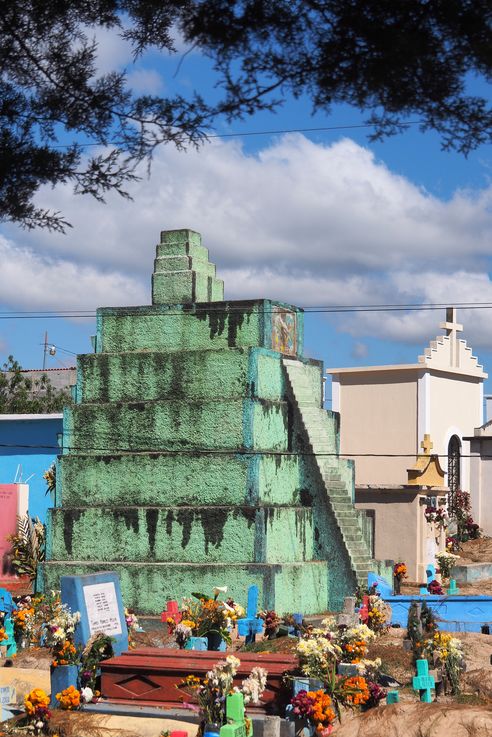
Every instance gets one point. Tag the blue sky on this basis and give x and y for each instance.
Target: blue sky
(314, 218)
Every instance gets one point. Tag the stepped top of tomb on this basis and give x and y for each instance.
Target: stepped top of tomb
(447, 353)
(183, 273)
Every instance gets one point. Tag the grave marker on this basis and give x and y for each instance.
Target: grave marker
(8, 703)
(430, 572)
(171, 612)
(97, 597)
(295, 629)
(237, 725)
(7, 605)
(251, 625)
(423, 682)
(349, 617)
(453, 589)
(364, 610)
(393, 697)
(10, 642)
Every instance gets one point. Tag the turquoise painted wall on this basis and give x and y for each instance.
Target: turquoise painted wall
(15, 438)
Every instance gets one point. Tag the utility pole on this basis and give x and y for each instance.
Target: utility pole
(45, 349)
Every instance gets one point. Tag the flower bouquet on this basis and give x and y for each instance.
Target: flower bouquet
(399, 573)
(208, 694)
(204, 616)
(38, 714)
(446, 561)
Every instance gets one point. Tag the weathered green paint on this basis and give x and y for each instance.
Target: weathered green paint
(162, 479)
(222, 534)
(299, 586)
(178, 327)
(177, 425)
(226, 373)
(185, 463)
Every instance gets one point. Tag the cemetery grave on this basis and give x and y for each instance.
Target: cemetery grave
(147, 676)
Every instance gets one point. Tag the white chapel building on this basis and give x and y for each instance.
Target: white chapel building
(387, 410)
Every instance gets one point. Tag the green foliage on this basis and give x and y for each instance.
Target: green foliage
(467, 528)
(421, 625)
(20, 394)
(28, 546)
(98, 648)
(396, 61)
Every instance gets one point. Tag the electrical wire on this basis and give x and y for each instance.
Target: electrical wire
(228, 308)
(218, 452)
(248, 134)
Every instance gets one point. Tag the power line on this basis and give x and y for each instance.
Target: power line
(218, 452)
(248, 134)
(197, 309)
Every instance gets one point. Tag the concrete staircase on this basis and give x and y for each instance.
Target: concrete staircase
(338, 490)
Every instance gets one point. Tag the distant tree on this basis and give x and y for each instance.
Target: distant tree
(394, 59)
(20, 394)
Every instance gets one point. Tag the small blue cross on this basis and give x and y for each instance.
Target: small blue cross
(251, 625)
(423, 682)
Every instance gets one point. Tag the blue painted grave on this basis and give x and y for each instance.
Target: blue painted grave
(453, 613)
(423, 682)
(7, 605)
(383, 587)
(62, 677)
(97, 596)
(10, 641)
(251, 625)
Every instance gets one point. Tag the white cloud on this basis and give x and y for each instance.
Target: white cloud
(299, 221)
(359, 350)
(113, 51)
(145, 81)
(34, 281)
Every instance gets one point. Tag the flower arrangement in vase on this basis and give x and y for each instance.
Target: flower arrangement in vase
(206, 616)
(209, 694)
(399, 573)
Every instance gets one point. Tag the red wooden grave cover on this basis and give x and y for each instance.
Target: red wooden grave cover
(148, 676)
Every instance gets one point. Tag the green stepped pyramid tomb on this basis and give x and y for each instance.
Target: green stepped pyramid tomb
(197, 453)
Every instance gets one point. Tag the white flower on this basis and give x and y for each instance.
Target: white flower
(240, 611)
(253, 686)
(219, 590)
(87, 695)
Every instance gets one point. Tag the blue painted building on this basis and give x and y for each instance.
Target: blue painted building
(28, 446)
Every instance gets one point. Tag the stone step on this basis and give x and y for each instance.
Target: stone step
(183, 534)
(144, 586)
(163, 479)
(323, 443)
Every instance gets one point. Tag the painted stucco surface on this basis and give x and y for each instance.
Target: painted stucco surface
(28, 447)
(212, 533)
(185, 462)
(291, 586)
